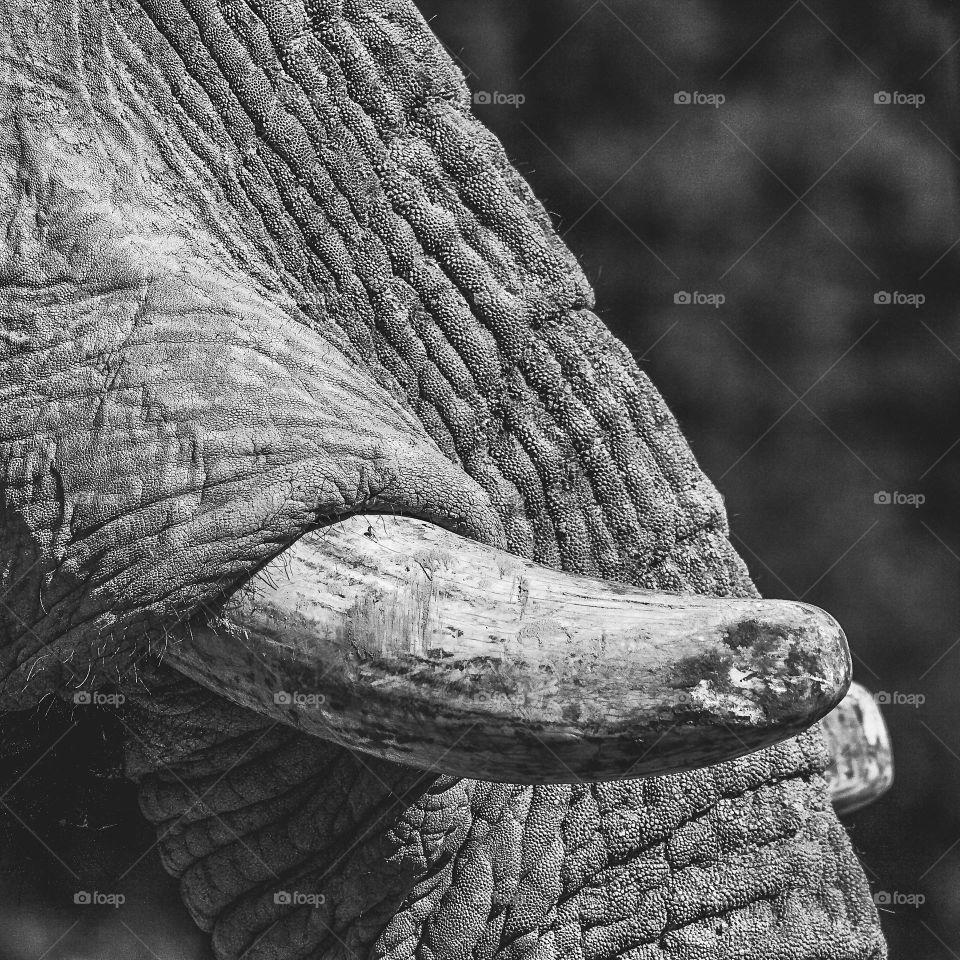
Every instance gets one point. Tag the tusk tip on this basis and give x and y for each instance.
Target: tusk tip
(794, 660)
(861, 755)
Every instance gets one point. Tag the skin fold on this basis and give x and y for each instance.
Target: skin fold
(261, 270)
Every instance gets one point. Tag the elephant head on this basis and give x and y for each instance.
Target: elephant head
(431, 636)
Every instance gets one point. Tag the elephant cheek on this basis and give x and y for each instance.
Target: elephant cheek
(169, 450)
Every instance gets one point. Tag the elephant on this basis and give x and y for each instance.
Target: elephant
(427, 630)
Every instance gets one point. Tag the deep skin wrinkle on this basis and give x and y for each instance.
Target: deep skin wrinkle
(261, 269)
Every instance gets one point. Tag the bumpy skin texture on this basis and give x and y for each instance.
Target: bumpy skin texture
(262, 268)
(292, 277)
(745, 859)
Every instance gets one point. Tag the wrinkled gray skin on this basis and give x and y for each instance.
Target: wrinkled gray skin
(261, 269)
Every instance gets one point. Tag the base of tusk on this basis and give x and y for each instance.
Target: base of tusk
(861, 767)
(396, 637)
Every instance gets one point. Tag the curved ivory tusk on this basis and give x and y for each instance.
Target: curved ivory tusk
(861, 768)
(396, 637)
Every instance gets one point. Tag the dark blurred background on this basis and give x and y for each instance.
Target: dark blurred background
(801, 200)
(806, 205)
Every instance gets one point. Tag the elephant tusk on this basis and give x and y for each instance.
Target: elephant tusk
(396, 637)
(861, 764)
